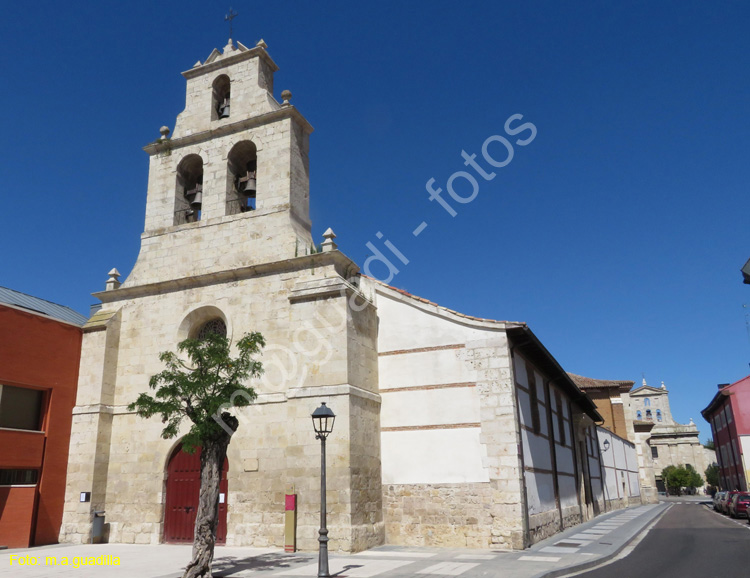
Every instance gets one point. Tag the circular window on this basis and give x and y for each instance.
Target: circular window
(215, 327)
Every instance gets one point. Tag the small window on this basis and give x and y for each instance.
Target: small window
(654, 452)
(21, 407)
(639, 415)
(242, 174)
(646, 401)
(18, 477)
(658, 415)
(215, 327)
(189, 190)
(220, 98)
(648, 414)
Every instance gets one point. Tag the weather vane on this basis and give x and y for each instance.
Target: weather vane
(228, 18)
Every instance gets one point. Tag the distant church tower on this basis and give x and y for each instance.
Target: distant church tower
(227, 247)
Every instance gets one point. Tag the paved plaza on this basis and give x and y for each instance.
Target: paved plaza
(576, 548)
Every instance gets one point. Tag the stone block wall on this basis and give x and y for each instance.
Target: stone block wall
(439, 515)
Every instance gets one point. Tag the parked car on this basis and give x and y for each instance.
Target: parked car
(738, 505)
(717, 500)
(724, 504)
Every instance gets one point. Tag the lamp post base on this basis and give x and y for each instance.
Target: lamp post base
(323, 571)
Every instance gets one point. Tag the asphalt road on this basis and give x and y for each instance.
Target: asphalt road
(690, 541)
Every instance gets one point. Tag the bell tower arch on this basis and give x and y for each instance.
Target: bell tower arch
(231, 186)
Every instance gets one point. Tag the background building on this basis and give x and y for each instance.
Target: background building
(40, 347)
(611, 398)
(671, 443)
(729, 416)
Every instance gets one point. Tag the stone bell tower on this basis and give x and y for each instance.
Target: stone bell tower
(227, 247)
(234, 173)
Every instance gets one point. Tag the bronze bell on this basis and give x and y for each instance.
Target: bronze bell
(195, 196)
(224, 109)
(247, 184)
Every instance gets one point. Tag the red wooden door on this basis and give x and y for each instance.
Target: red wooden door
(183, 489)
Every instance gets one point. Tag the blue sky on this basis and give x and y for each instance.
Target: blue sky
(617, 234)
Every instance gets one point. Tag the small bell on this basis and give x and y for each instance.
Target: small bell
(195, 196)
(247, 184)
(224, 109)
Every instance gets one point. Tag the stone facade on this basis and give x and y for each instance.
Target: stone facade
(669, 443)
(439, 440)
(254, 270)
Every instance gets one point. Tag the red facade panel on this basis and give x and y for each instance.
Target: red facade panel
(41, 353)
(21, 449)
(17, 507)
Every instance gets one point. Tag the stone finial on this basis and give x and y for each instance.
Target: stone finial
(644, 381)
(328, 244)
(663, 386)
(114, 280)
(691, 421)
(229, 47)
(262, 44)
(286, 96)
(164, 135)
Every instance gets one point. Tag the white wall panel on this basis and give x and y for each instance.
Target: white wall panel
(568, 492)
(524, 407)
(425, 368)
(430, 407)
(536, 452)
(449, 456)
(406, 326)
(565, 461)
(540, 492)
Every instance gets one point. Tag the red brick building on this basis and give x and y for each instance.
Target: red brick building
(729, 416)
(40, 349)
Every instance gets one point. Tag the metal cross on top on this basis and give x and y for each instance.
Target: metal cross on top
(228, 18)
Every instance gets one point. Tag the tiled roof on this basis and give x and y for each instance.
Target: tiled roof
(433, 304)
(24, 301)
(591, 383)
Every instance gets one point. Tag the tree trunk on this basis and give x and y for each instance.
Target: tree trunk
(213, 454)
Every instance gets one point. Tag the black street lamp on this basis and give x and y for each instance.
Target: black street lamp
(323, 419)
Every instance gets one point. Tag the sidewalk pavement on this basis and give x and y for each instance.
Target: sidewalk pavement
(574, 549)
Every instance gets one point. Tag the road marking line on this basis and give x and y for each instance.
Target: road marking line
(448, 568)
(582, 536)
(540, 558)
(574, 542)
(475, 557)
(395, 554)
(559, 550)
(350, 567)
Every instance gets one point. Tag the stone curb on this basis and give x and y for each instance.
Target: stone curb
(607, 557)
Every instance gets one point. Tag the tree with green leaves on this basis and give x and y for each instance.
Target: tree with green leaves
(712, 475)
(203, 388)
(709, 445)
(678, 477)
(694, 478)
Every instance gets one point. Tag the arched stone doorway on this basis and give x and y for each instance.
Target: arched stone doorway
(183, 488)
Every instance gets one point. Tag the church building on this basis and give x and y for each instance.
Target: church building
(450, 430)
